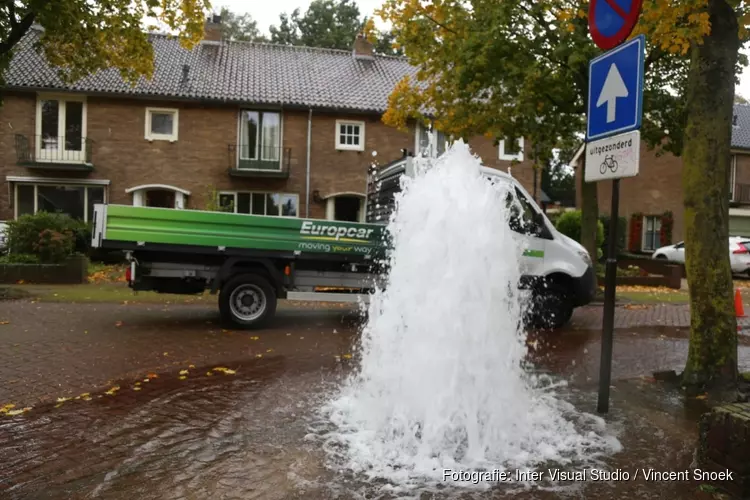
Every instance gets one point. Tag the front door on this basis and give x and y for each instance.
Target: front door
(525, 220)
(160, 198)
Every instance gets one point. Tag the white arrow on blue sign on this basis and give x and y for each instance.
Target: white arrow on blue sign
(616, 90)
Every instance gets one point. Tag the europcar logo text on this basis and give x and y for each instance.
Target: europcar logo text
(328, 232)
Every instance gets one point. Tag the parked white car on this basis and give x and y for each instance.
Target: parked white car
(3, 238)
(739, 254)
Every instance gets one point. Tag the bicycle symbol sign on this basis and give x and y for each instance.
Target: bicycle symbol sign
(609, 162)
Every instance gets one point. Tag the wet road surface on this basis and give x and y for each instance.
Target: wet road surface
(253, 434)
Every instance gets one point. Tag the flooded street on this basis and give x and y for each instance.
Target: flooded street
(257, 433)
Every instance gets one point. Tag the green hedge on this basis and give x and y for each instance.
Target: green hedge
(569, 224)
(52, 237)
(622, 227)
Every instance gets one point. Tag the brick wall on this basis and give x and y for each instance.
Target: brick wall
(201, 158)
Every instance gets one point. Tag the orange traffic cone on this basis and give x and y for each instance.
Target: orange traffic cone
(739, 310)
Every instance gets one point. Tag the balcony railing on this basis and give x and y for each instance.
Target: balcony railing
(54, 153)
(741, 193)
(259, 161)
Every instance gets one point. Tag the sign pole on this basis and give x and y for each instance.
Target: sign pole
(608, 323)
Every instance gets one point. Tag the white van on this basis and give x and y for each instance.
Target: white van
(556, 269)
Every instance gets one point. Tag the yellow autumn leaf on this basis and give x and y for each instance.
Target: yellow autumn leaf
(183, 377)
(184, 372)
(152, 375)
(347, 356)
(7, 408)
(209, 374)
(254, 338)
(13, 413)
(258, 355)
(269, 350)
(702, 396)
(4, 322)
(112, 391)
(191, 366)
(62, 400)
(136, 388)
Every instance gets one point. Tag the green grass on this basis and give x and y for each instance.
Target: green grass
(99, 293)
(676, 297)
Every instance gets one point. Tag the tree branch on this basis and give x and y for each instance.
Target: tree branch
(446, 28)
(17, 31)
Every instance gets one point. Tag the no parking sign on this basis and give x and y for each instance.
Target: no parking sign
(612, 21)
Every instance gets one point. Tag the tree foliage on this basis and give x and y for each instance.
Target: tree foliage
(240, 27)
(81, 37)
(331, 24)
(517, 67)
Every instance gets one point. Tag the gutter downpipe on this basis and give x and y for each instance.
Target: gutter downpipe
(307, 172)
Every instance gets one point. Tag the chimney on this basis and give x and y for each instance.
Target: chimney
(212, 29)
(363, 49)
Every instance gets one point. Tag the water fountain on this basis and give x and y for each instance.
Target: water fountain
(442, 382)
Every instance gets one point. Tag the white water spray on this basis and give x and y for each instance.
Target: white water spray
(442, 383)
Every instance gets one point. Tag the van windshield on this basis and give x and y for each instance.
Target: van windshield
(524, 218)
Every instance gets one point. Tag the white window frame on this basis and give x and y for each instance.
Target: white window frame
(235, 193)
(511, 157)
(433, 147)
(258, 138)
(67, 184)
(175, 124)
(63, 100)
(350, 147)
(733, 179)
(644, 231)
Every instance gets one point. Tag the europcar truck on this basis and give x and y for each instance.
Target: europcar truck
(254, 260)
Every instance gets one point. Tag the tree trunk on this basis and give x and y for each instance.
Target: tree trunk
(589, 215)
(712, 356)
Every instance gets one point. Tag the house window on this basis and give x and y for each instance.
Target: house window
(511, 149)
(423, 146)
(275, 204)
(162, 124)
(76, 201)
(651, 233)
(350, 135)
(260, 135)
(61, 129)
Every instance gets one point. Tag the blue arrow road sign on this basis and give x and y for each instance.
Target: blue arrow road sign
(616, 90)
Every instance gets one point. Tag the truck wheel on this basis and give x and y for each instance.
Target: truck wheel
(247, 301)
(552, 308)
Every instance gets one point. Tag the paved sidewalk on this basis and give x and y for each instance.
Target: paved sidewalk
(639, 315)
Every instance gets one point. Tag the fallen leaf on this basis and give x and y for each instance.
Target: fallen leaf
(254, 338)
(13, 413)
(302, 338)
(4, 322)
(258, 355)
(112, 391)
(183, 377)
(58, 405)
(119, 323)
(209, 374)
(153, 375)
(702, 396)
(191, 366)
(62, 400)
(7, 408)
(137, 384)
(225, 371)
(184, 372)
(269, 350)
(84, 395)
(166, 354)
(136, 388)
(347, 356)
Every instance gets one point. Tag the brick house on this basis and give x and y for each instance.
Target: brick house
(652, 202)
(270, 129)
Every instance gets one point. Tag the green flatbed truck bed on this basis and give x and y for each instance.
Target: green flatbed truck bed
(123, 227)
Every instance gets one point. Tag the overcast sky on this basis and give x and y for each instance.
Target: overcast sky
(266, 12)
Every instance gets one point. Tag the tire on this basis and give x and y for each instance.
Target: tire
(552, 308)
(247, 301)
(662, 257)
